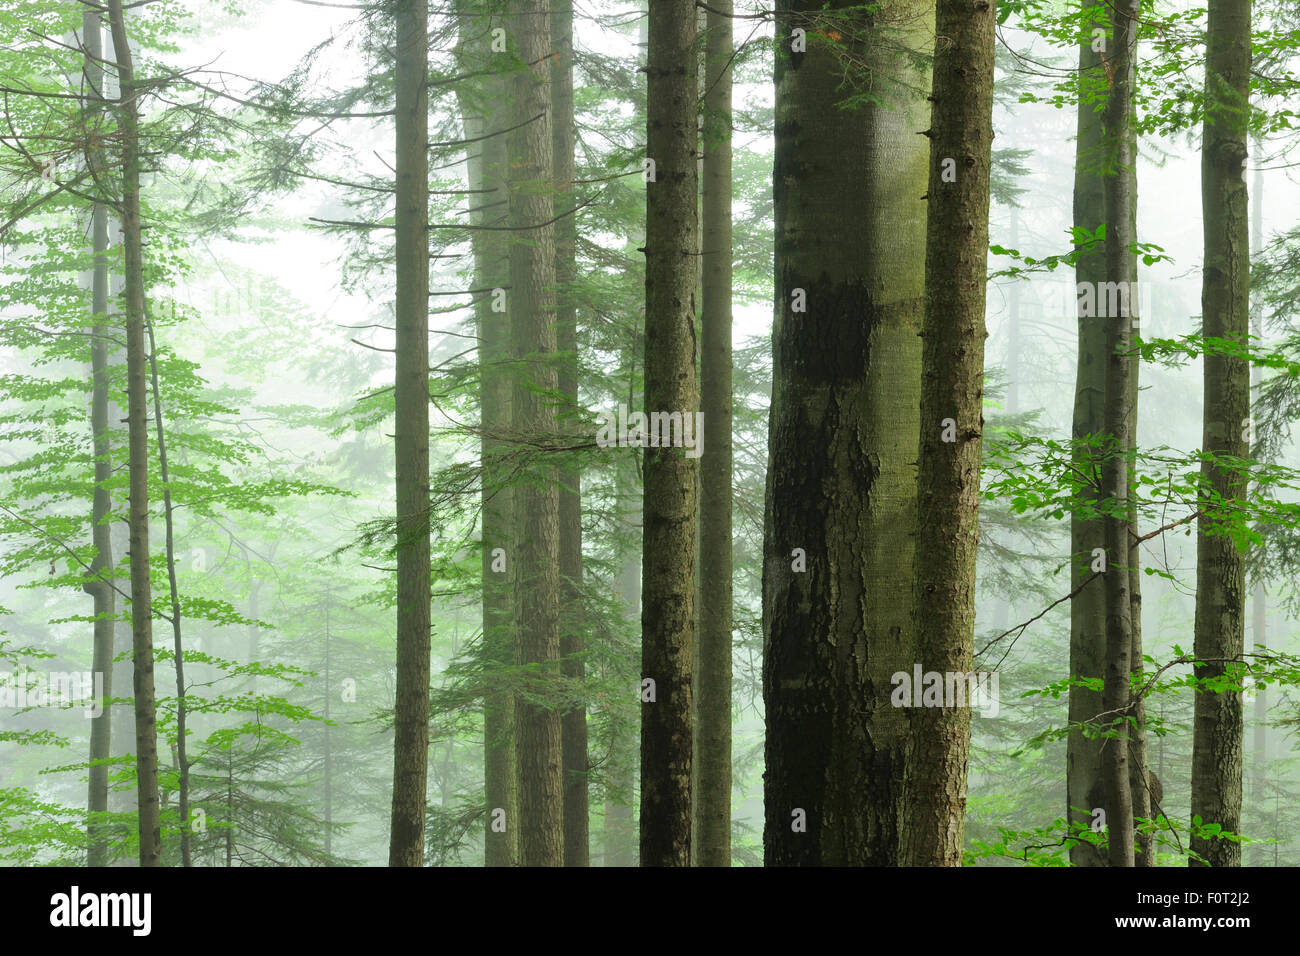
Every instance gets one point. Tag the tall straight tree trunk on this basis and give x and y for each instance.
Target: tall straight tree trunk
(537, 504)
(952, 422)
(411, 438)
(668, 562)
(711, 841)
(182, 760)
(846, 387)
(481, 107)
(1225, 306)
(620, 832)
(577, 849)
(492, 271)
(1087, 608)
(1140, 783)
(99, 582)
(1259, 596)
(1119, 421)
(146, 724)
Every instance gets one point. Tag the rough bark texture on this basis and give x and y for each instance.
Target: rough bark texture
(711, 841)
(137, 415)
(668, 562)
(481, 107)
(99, 581)
(952, 372)
(577, 851)
(1087, 607)
(532, 319)
(411, 441)
(1225, 305)
(841, 484)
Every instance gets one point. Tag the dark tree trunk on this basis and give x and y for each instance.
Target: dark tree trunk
(948, 475)
(1225, 306)
(841, 482)
(668, 563)
(411, 438)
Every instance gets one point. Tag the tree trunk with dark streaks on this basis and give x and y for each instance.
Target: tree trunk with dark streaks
(841, 484)
(669, 540)
(933, 815)
(1225, 306)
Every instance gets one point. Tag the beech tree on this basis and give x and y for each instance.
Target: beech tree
(1225, 306)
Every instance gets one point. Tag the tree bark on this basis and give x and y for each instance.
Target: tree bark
(841, 483)
(99, 582)
(182, 760)
(577, 850)
(411, 438)
(668, 562)
(1119, 421)
(1087, 608)
(532, 319)
(1225, 306)
(948, 472)
(481, 107)
(711, 840)
(146, 724)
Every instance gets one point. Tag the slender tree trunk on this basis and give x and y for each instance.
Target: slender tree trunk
(328, 768)
(952, 421)
(481, 107)
(1145, 792)
(712, 837)
(182, 761)
(99, 582)
(620, 830)
(411, 441)
(668, 556)
(1119, 421)
(577, 850)
(500, 787)
(1259, 596)
(846, 385)
(146, 724)
(532, 319)
(1088, 607)
(1225, 305)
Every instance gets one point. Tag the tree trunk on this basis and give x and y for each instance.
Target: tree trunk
(481, 109)
(620, 831)
(711, 840)
(411, 438)
(948, 472)
(668, 561)
(146, 724)
(1088, 607)
(1259, 596)
(577, 850)
(99, 582)
(1117, 182)
(1225, 306)
(841, 483)
(532, 319)
(182, 761)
